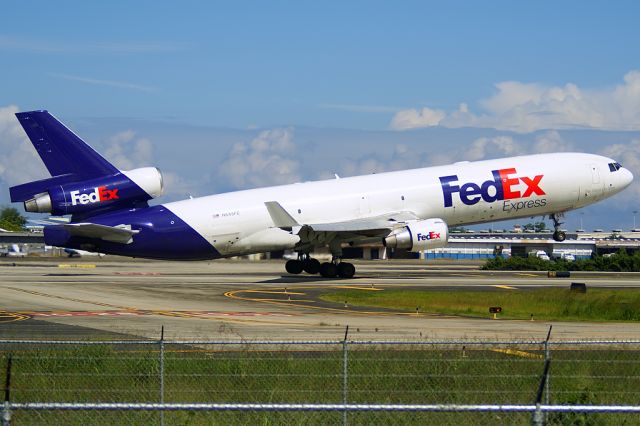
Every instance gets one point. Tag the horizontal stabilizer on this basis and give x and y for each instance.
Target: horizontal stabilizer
(26, 191)
(281, 218)
(116, 234)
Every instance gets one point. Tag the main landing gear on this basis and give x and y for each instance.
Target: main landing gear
(312, 266)
(558, 235)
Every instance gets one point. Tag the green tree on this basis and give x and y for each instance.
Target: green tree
(457, 229)
(536, 226)
(11, 219)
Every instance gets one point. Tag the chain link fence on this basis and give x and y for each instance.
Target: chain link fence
(320, 382)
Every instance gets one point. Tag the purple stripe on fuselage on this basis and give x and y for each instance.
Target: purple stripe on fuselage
(163, 235)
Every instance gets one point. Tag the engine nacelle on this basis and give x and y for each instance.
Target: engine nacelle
(420, 235)
(119, 190)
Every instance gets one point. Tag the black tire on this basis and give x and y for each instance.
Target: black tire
(328, 270)
(559, 236)
(311, 266)
(346, 270)
(293, 266)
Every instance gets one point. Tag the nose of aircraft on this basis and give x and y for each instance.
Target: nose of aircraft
(625, 177)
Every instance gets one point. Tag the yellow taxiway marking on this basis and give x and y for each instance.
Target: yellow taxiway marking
(523, 274)
(76, 265)
(237, 294)
(12, 317)
(71, 299)
(352, 287)
(235, 320)
(274, 292)
(508, 287)
(266, 299)
(515, 352)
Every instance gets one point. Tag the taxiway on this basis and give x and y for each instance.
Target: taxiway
(103, 298)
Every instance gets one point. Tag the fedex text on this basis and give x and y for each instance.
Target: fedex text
(504, 186)
(98, 194)
(430, 236)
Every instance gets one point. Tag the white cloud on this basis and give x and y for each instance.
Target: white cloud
(361, 166)
(267, 160)
(498, 146)
(109, 83)
(628, 155)
(127, 152)
(551, 141)
(19, 162)
(360, 108)
(179, 187)
(501, 146)
(526, 107)
(413, 118)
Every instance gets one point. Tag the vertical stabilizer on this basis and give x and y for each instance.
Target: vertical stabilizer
(62, 152)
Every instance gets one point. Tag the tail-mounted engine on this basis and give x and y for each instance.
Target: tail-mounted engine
(420, 235)
(117, 190)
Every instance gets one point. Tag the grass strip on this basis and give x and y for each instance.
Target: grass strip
(543, 304)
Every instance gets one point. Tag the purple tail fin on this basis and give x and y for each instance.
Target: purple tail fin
(61, 150)
(67, 157)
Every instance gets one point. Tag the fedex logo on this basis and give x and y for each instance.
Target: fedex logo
(504, 186)
(430, 236)
(98, 194)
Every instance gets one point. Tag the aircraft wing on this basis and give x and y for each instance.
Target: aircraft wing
(384, 222)
(374, 226)
(122, 234)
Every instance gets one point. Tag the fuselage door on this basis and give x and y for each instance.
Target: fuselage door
(595, 175)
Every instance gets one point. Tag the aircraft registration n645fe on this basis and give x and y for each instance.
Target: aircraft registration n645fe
(409, 209)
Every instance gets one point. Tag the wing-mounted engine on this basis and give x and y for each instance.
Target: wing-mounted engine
(419, 235)
(118, 190)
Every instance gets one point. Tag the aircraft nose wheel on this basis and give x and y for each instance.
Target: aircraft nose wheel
(559, 236)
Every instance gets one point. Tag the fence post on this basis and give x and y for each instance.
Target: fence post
(539, 418)
(6, 410)
(345, 373)
(547, 358)
(162, 374)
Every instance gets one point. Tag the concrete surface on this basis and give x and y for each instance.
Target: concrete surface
(112, 297)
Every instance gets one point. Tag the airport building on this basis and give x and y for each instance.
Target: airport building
(487, 245)
(467, 245)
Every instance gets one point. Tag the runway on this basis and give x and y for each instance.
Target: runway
(110, 298)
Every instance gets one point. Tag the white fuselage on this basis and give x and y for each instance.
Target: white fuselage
(471, 192)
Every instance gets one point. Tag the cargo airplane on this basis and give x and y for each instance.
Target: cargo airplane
(410, 209)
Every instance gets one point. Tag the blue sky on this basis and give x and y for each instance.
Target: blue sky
(280, 63)
(365, 80)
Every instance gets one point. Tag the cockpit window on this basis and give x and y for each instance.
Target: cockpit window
(614, 167)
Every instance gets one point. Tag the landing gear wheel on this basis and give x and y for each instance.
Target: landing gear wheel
(311, 266)
(328, 270)
(293, 266)
(559, 236)
(346, 270)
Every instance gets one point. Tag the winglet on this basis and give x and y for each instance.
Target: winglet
(281, 218)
